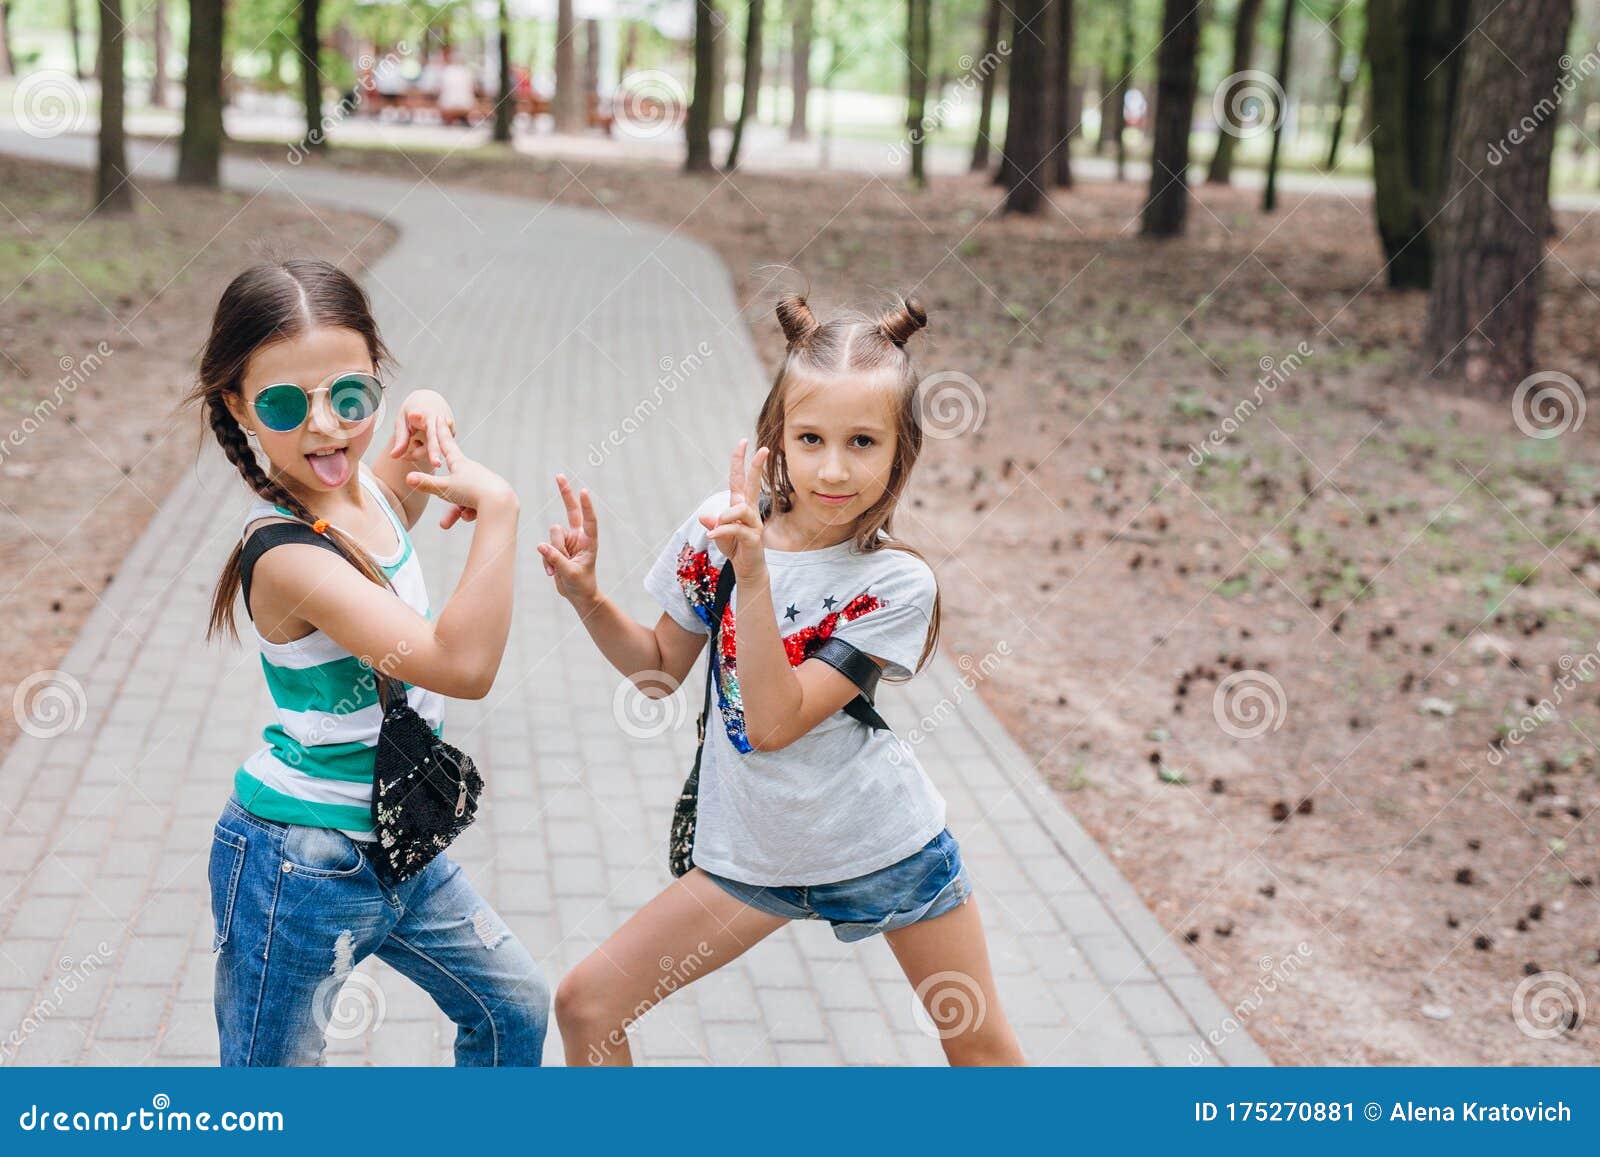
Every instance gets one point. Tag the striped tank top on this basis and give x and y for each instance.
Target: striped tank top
(315, 767)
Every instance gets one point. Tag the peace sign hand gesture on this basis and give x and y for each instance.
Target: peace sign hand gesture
(737, 530)
(569, 556)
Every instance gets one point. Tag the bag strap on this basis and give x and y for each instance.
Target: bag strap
(853, 664)
(271, 535)
(277, 534)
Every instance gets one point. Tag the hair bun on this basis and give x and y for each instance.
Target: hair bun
(796, 318)
(898, 325)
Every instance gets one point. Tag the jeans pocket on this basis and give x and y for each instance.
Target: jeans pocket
(321, 852)
(227, 864)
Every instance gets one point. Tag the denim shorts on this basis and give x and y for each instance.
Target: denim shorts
(926, 884)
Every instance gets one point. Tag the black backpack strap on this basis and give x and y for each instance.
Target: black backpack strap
(853, 664)
(271, 535)
(860, 668)
(718, 604)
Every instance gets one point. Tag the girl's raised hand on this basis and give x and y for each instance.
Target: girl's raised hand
(422, 416)
(737, 530)
(468, 484)
(569, 556)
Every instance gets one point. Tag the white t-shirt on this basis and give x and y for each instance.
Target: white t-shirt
(842, 800)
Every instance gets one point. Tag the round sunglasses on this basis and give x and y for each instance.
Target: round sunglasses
(354, 396)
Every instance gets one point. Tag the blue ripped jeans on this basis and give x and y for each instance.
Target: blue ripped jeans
(295, 908)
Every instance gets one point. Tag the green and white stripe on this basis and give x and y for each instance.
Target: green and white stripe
(316, 766)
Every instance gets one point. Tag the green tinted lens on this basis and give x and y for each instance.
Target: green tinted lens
(355, 397)
(281, 407)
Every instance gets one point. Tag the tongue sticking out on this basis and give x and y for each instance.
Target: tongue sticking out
(330, 469)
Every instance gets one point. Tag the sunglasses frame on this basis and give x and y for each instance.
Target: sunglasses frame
(324, 387)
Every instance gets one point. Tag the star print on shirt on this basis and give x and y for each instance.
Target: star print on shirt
(791, 614)
(829, 601)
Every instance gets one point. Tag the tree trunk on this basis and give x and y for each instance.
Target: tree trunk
(1029, 111)
(697, 130)
(158, 52)
(919, 55)
(719, 67)
(989, 61)
(1269, 198)
(1414, 72)
(76, 34)
(8, 63)
(1062, 104)
(750, 81)
(311, 71)
(591, 60)
(1168, 204)
(1119, 94)
(1244, 43)
(567, 105)
(630, 48)
(505, 105)
(1485, 301)
(1349, 67)
(200, 149)
(111, 191)
(801, 61)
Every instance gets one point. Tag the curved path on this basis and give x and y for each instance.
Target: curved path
(551, 329)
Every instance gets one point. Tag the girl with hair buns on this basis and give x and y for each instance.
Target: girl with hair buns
(808, 806)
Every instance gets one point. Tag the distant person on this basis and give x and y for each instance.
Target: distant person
(458, 93)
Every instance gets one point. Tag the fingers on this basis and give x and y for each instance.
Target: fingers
(591, 528)
(432, 433)
(434, 484)
(447, 447)
(736, 473)
(454, 514)
(752, 479)
(570, 501)
(398, 443)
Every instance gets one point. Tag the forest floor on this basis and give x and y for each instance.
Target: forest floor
(100, 332)
(1256, 594)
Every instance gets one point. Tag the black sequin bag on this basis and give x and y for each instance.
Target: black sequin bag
(424, 791)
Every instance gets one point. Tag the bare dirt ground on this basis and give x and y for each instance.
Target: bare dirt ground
(98, 339)
(1271, 600)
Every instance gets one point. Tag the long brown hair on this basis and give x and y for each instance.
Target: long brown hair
(847, 346)
(268, 303)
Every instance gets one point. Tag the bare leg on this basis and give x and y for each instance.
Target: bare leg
(691, 929)
(946, 959)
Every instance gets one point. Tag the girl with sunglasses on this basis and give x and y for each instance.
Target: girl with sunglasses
(290, 381)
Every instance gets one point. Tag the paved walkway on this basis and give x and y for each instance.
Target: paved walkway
(545, 326)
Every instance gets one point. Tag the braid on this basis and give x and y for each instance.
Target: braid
(237, 447)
